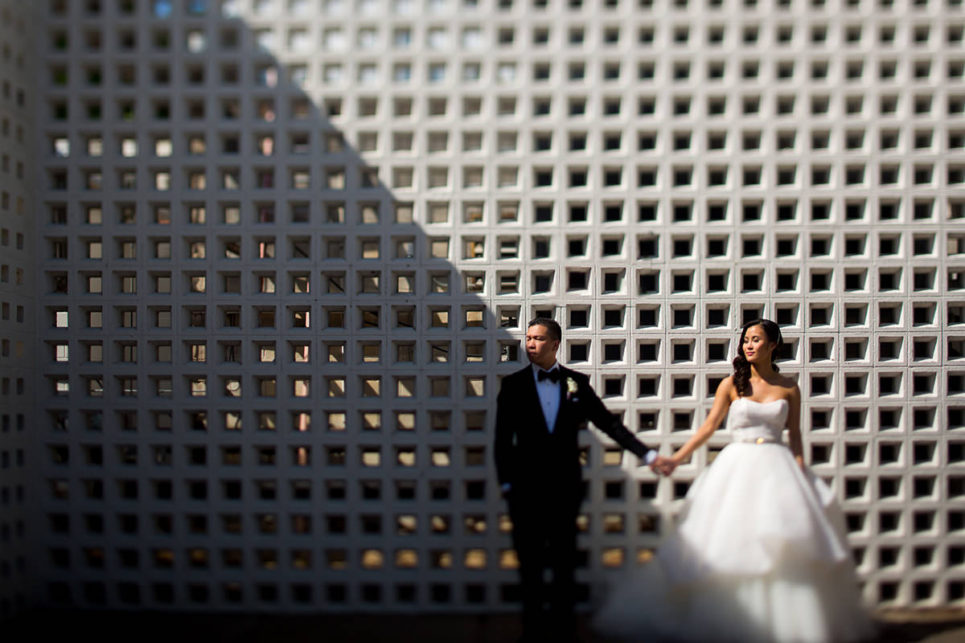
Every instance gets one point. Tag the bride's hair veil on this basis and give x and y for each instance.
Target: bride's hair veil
(742, 368)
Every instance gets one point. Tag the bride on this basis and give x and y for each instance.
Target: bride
(760, 553)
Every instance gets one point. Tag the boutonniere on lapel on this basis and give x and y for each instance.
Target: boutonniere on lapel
(571, 389)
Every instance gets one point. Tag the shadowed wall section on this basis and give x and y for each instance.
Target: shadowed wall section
(18, 304)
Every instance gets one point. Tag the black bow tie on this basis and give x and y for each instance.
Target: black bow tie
(553, 376)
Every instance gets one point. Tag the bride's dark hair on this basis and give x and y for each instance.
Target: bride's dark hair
(742, 368)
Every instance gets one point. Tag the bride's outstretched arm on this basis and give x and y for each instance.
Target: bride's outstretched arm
(794, 425)
(722, 399)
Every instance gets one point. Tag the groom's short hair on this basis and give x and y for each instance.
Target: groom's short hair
(554, 330)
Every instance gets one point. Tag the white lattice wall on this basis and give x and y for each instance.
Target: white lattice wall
(288, 247)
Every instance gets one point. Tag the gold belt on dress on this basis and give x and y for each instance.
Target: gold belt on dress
(758, 440)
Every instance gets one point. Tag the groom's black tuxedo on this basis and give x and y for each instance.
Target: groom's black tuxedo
(542, 470)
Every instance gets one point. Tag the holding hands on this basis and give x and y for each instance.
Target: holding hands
(662, 465)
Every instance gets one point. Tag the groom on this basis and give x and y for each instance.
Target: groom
(539, 411)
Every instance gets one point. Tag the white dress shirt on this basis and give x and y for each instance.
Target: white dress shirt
(549, 395)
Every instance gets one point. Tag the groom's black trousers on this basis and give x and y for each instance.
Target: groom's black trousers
(544, 536)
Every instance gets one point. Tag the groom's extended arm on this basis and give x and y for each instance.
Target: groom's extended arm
(610, 424)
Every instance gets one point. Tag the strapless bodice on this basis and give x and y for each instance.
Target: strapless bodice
(750, 421)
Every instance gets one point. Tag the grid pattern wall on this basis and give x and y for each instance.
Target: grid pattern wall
(17, 303)
(289, 246)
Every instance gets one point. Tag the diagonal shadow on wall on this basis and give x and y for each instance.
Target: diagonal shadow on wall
(337, 343)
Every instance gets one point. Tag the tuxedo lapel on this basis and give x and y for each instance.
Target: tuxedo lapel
(533, 397)
(559, 413)
(562, 386)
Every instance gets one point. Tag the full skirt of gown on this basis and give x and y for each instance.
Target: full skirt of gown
(759, 555)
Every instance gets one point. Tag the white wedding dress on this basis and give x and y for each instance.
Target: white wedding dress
(759, 554)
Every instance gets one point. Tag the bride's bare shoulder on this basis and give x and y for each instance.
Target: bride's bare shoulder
(727, 388)
(789, 384)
